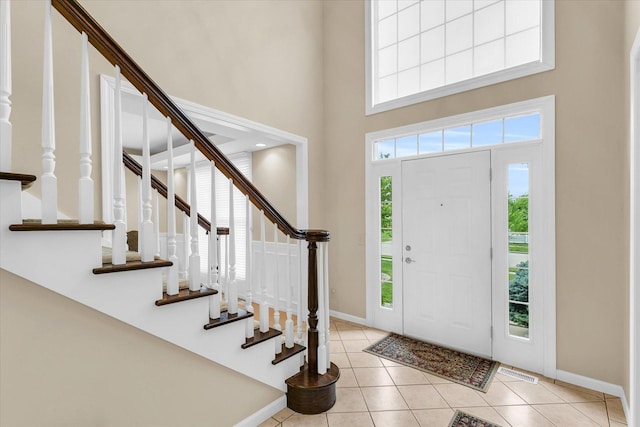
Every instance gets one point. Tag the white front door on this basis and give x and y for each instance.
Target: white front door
(446, 232)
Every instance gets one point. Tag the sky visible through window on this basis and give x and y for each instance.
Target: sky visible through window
(481, 134)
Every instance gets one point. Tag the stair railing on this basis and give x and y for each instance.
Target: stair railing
(92, 33)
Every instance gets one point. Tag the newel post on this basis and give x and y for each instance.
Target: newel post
(310, 391)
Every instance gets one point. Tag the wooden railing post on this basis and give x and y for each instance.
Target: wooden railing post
(5, 86)
(312, 302)
(85, 184)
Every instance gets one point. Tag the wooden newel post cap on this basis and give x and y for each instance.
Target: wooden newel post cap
(317, 235)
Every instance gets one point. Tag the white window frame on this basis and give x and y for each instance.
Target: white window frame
(391, 318)
(546, 63)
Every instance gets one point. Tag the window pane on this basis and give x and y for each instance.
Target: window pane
(431, 14)
(387, 32)
(388, 60)
(431, 142)
(518, 320)
(386, 8)
(432, 75)
(432, 44)
(518, 235)
(386, 254)
(458, 8)
(387, 88)
(409, 22)
(523, 47)
(522, 14)
(487, 22)
(459, 34)
(488, 58)
(457, 138)
(459, 67)
(409, 53)
(385, 149)
(409, 82)
(407, 146)
(522, 128)
(487, 133)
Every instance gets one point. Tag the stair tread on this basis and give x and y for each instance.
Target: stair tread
(26, 180)
(131, 265)
(259, 337)
(185, 295)
(225, 318)
(61, 225)
(287, 353)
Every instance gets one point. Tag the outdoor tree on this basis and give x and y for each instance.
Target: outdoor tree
(385, 202)
(519, 291)
(518, 213)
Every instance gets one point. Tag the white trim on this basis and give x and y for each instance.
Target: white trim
(546, 63)
(391, 319)
(597, 385)
(348, 317)
(265, 413)
(633, 417)
(220, 118)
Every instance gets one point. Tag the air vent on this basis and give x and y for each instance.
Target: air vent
(519, 375)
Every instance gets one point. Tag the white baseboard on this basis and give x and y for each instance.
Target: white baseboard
(265, 413)
(348, 317)
(597, 385)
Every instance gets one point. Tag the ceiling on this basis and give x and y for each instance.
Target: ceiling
(230, 138)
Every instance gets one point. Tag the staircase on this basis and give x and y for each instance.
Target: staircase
(201, 313)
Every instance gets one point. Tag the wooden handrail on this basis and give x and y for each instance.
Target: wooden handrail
(136, 168)
(82, 21)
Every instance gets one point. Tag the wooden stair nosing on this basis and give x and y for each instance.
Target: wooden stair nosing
(131, 265)
(259, 337)
(61, 225)
(25, 180)
(287, 353)
(185, 295)
(225, 318)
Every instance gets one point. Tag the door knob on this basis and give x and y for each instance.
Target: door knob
(408, 260)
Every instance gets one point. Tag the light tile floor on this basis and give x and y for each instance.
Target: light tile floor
(376, 392)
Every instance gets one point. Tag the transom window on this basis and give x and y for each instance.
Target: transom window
(479, 134)
(424, 49)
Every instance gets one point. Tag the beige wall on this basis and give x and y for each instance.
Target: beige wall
(261, 60)
(591, 152)
(274, 172)
(62, 363)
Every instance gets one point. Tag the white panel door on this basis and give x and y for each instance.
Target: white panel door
(446, 231)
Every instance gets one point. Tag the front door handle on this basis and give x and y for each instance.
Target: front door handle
(409, 260)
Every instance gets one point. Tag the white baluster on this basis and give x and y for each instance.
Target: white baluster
(156, 223)
(214, 300)
(49, 179)
(300, 293)
(172, 274)
(139, 226)
(119, 239)
(248, 267)
(85, 185)
(322, 349)
(5, 86)
(232, 296)
(276, 290)
(264, 304)
(146, 244)
(326, 305)
(194, 259)
(288, 324)
(185, 246)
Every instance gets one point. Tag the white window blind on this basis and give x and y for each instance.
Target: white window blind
(203, 185)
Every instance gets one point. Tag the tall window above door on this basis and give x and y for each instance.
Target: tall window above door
(419, 50)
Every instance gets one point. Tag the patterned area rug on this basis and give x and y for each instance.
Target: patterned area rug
(462, 419)
(465, 369)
